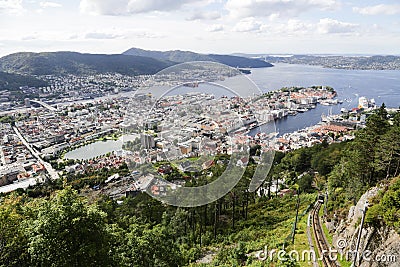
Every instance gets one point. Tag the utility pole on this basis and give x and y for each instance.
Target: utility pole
(356, 255)
(326, 204)
(297, 215)
(215, 219)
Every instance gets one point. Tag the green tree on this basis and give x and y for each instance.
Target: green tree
(13, 240)
(305, 183)
(387, 158)
(145, 246)
(390, 204)
(68, 232)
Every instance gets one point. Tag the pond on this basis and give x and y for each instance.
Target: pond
(98, 148)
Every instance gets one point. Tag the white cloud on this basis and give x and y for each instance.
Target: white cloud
(290, 28)
(296, 27)
(213, 15)
(101, 35)
(73, 37)
(146, 35)
(248, 25)
(30, 37)
(215, 28)
(128, 7)
(328, 26)
(265, 8)
(49, 4)
(111, 34)
(11, 6)
(378, 10)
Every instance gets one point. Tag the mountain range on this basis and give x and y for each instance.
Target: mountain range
(132, 62)
(187, 56)
(62, 63)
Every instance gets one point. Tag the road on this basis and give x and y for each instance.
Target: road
(44, 105)
(14, 186)
(53, 173)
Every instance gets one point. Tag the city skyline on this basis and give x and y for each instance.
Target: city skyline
(210, 26)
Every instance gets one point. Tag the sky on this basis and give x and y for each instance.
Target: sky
(205, 26)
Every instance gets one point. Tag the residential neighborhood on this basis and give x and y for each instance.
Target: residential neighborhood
(174, 128)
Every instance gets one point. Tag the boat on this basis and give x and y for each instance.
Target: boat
(324, 118)
(193, 84)
(253, 125)
(329, 102)
(245, 71)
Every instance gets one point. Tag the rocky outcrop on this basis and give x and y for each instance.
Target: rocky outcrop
(379, 247)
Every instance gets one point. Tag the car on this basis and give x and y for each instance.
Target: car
(321, 198)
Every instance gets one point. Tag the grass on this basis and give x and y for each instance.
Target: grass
(343, 262)
(269, 223)
(328, 236)
(301, 240)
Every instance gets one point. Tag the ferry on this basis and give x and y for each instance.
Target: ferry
(329, 102)
(253, 125)
(265, 136)
(193, 84)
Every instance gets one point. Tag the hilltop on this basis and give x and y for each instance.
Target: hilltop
(9, 81)
(187, 56)
(62, 63)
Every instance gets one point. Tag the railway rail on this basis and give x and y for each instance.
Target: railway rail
(320, 239)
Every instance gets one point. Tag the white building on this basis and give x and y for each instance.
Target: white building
(363, 103)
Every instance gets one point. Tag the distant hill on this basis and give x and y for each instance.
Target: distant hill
(342, 62)
(187, 56)
(132, 62)
(12, 82)
(59, 63)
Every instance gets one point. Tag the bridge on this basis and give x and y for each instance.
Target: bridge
(51, 108)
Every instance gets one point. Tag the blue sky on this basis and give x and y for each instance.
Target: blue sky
(206, 26)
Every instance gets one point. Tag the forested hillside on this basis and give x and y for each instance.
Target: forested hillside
(62, 63)
(187, 56)
(13, 82)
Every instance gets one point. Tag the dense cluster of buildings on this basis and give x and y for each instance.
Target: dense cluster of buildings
(16, 162)
(177, 127)
(72, 87)
(311, 136)
(343, 62)
(50, 132)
